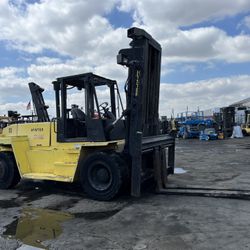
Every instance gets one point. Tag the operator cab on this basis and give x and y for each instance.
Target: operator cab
(81, 116)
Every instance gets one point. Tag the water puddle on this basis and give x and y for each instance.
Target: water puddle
(37, 225)
(180, 171)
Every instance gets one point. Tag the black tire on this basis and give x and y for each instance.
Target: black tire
(125, 173)
(102, 175)
(9, 174)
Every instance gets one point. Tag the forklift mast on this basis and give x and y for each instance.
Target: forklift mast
(37, 98)
(142, 88)
(142, 135)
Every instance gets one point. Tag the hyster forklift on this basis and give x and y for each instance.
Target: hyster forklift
(93, 146)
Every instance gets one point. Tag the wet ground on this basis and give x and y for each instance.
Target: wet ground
(52, 215)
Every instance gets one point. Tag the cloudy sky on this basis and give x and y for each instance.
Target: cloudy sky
(206, 47)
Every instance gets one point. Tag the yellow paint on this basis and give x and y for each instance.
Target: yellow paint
(246, 130)
(40, 156)
(21, 147)
(246, 127)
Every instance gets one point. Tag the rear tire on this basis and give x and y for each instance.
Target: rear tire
(102, 175)
(9, 175)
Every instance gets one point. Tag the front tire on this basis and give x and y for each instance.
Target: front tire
(9, 175)
(102, 175)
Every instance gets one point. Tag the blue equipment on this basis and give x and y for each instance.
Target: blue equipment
(208, 134)
(192, 124)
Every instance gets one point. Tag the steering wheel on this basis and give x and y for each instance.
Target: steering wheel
(103, 105)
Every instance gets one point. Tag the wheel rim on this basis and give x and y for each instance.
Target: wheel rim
(2, 170)
(100, 176)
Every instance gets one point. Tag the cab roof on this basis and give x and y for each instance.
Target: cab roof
(81, 80)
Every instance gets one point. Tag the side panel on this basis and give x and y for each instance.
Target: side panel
(38, 133)
(40, 156)
(21, 147)
(66, 162)
(41, 160)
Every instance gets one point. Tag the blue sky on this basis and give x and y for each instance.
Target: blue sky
(205, 48)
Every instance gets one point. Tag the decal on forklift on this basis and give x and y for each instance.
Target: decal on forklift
(10, 130)
(37, 130)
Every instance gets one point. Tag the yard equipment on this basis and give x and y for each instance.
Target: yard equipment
(228, 121)
(208, 134)
(91, 144)
(246, 126)
(5, 120)
(192, 124)
(168, 126)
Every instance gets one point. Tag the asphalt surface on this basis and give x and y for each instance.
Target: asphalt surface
(52, 215)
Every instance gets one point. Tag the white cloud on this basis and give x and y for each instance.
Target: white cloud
(203, 44)
(44, 73)
(218, 92)
(15, 106)
(21, 107)
(9, 71)
(47, 60)
(78, 29)
(12, 85)
(182, 12)
(164, 19)
(246, 21)
(75, 28)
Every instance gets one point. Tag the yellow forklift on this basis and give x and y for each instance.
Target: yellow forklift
(246, 126)
(91, 144)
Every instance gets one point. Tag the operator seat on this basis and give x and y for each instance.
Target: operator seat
(78, 114)
(79, 119)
